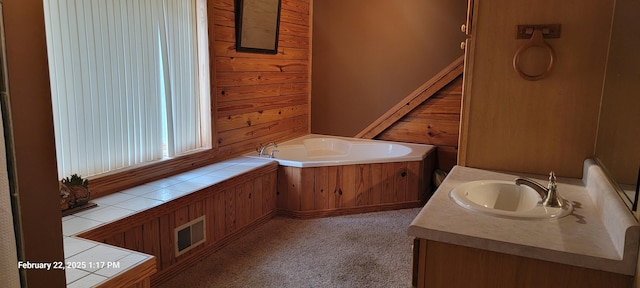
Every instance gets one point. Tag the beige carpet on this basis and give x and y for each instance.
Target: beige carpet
(364, 250)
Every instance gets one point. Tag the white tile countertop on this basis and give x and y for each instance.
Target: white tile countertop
(579, 239)
(98, 262)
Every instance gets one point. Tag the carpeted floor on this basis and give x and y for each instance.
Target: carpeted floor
(364, 250)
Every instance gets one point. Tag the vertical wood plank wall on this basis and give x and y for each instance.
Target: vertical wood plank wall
(435, 122)
(261, 98)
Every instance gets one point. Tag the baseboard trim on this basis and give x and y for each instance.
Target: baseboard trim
(348, 211)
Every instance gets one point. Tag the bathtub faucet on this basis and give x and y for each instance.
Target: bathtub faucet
(264, 147)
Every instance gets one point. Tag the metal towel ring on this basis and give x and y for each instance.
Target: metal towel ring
(536, 40)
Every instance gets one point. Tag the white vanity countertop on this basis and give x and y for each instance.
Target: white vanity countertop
(579, 239)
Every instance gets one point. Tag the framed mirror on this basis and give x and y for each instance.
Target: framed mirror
(257, 25)
(618, 136)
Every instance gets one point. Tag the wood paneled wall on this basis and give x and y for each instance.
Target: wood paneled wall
(261, 98)
(256, 98)
(435, 121)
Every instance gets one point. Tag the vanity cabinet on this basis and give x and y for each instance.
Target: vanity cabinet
(594, 246)
(439, 264)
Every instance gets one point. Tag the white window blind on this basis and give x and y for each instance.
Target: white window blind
(127, 82)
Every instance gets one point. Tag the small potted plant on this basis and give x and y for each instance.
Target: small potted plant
(74, 191)
(67, 199)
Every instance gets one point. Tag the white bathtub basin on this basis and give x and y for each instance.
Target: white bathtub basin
(504, 199)
(315, 150)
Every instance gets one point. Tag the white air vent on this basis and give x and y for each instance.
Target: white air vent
(190, 235)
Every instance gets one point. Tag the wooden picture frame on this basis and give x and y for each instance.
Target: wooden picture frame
(257, 25)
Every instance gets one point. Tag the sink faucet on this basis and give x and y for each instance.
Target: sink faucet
(549, 195)
(264, 147)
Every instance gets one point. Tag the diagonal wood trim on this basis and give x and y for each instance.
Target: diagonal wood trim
(414, 99)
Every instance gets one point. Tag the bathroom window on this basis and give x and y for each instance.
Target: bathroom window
(129, 82)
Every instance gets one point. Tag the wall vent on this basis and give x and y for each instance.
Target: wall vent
(190, 235)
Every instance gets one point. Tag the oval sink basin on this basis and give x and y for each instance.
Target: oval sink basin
(504, 199)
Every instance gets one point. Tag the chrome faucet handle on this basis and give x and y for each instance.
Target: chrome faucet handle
(553, 199)
(271, 155)
(552, 181)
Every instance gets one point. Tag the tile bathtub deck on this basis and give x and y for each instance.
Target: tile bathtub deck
(86, 254)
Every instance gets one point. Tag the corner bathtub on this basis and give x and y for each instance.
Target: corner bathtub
(315, 150)
(321, 175)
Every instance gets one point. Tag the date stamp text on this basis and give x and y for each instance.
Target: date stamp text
(59, 265)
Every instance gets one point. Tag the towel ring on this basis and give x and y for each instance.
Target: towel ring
(537, 40)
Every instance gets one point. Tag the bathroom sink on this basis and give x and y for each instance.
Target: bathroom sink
(504, 199)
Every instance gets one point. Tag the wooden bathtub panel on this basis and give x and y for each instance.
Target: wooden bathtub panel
(363, 185)
(307, 186)
(257, 198)
(415, 175)
(376, 184)
(321, 189)
(400, 182)
(347, 189)
(388, 188)
(293, 189)
(269, 188)
(334, 185)
(282, 193)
